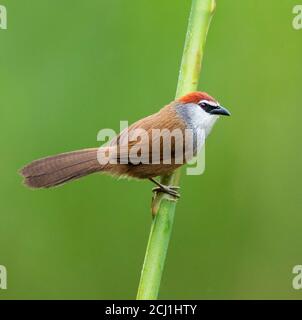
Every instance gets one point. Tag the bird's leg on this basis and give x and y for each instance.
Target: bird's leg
(171, 190)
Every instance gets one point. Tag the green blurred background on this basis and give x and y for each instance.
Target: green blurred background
(70, 68)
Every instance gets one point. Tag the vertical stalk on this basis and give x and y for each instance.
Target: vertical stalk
(163, 206)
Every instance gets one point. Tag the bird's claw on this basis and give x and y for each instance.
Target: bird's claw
(171, 190)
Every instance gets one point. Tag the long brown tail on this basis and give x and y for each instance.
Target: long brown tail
(56, 170)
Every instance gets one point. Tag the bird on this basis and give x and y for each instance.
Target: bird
(195, 111)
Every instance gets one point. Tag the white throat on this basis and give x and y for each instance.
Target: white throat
(196, 118)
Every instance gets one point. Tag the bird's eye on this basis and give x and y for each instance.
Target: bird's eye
(203, 104)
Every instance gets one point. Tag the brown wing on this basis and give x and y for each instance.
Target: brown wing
(145, 138)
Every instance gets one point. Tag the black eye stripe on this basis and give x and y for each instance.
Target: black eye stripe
(207, 107)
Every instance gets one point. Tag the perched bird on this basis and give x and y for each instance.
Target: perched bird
(196, 111)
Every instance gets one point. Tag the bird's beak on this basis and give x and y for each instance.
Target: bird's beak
(221, 111)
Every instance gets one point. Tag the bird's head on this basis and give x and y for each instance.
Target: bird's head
(204, 101)
(200, 110)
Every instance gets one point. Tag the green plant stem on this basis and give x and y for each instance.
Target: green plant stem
(163, 206)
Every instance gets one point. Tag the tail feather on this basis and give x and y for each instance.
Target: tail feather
(56, 170)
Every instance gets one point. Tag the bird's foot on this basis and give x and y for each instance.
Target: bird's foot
(171, 190)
